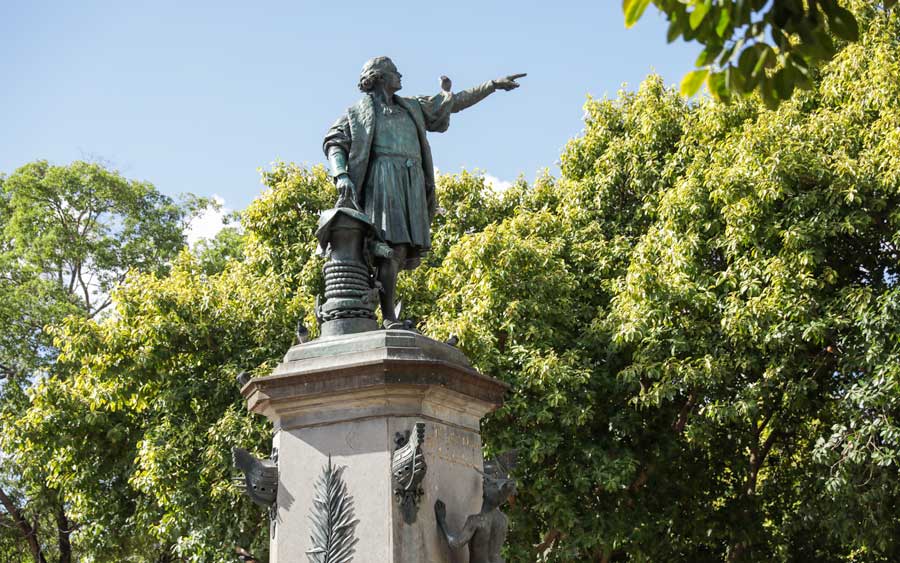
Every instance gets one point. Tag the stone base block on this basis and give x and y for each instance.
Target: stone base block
(348, 398)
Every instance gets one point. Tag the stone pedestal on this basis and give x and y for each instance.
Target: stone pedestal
(348, 397)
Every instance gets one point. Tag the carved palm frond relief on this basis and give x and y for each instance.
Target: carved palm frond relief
(333, 525)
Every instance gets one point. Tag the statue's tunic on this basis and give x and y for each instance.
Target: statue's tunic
(390, 162)
(394, 194)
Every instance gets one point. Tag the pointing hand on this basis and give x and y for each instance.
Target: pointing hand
(509, 82)
(446, 84)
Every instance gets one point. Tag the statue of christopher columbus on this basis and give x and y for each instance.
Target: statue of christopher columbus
(381, 163)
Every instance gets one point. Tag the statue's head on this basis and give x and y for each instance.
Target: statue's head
(496, 490)
(379, 70)
(497, 485)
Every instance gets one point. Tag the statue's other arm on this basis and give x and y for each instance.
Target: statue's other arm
(337, 146)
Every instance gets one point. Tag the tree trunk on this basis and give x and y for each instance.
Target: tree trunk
(736, 551)
(27, 530)
(64, 531)
(758, 454)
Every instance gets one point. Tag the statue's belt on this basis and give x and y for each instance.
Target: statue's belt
(410, 160)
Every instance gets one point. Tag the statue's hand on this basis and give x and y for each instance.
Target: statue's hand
(508, 82)
(446, 84)
(346, 192)
(440, 510)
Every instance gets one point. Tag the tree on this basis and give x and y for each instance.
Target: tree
(68, 235)
(137, 428)
(686, 318)
(738, 58)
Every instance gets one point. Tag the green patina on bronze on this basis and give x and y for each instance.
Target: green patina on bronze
(381, 162)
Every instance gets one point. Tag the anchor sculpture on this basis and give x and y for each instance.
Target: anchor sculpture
(347, 237)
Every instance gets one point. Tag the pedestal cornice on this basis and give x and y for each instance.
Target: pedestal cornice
(377, 373)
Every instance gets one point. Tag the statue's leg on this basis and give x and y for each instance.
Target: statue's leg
(388, 270)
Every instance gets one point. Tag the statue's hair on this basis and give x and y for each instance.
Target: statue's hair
(373, 72)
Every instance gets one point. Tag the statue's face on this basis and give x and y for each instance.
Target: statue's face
(392, 78)
(497, 490)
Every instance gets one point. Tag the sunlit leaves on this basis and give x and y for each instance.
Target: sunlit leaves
(692, 81)
(633, 9)
(739, 34)
(68, 235)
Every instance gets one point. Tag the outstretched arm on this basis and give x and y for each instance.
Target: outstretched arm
(455, 542)
(470, 97)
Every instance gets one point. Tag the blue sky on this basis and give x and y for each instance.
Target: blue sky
(196, 96)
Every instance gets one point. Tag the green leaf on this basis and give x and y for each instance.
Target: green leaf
(768, 93)
(747, 61)
(715, 83)
(708, 55)
(843, 24)
(801, 73)
(741, 12)
(783, 81)
(765, 60)
(734, 80)
(700, 11)
(674, 30)
(633, 9)
(692, 81)
(724, 20)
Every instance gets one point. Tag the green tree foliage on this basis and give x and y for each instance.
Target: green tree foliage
(739, 58)
(698, 320)
(687, 319)
(68, 234)
(136, 429)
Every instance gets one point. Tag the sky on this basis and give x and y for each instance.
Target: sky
(197, 96)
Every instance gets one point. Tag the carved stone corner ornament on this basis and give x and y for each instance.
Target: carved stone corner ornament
(333, 530)
(408, 470)
(260, 481)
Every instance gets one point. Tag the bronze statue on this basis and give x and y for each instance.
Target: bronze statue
(485, 532)
(381, 163)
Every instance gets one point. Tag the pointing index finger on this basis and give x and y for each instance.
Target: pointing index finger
(517, 76)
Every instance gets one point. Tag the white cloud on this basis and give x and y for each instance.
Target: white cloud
(209, 223)
(497, 184)
(492, 182)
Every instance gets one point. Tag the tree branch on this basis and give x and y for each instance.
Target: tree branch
(550, 539)
(29, 534)
(681, 421)
(85, 291)
(64, 530)
(106, 303)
